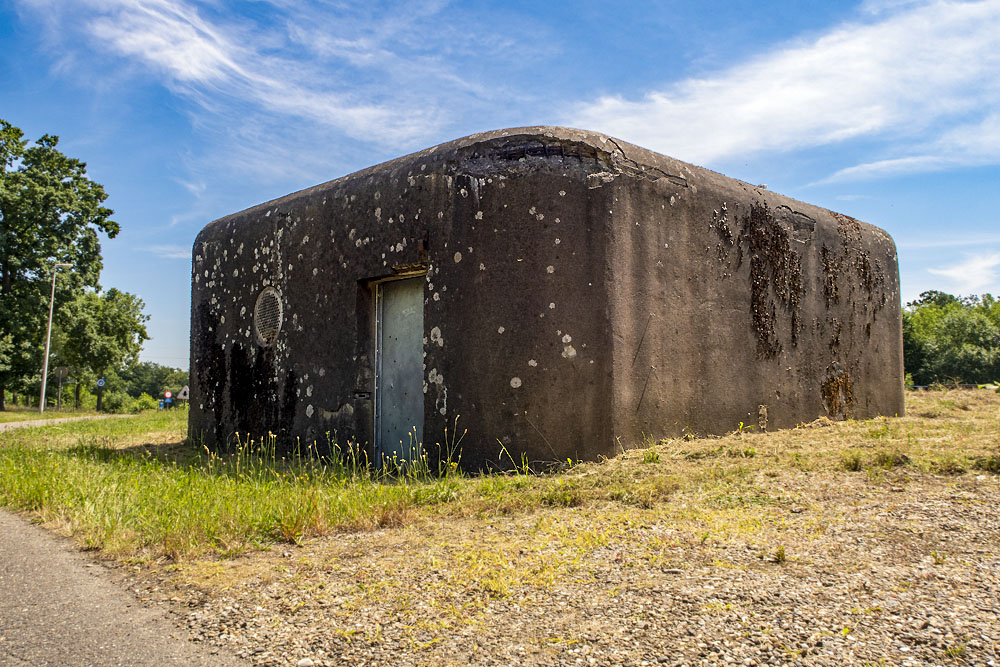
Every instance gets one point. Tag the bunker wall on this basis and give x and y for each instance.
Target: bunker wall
(733, 304)
(579, 293)
(515, 314)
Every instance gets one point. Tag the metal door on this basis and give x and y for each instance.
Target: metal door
(399, 369)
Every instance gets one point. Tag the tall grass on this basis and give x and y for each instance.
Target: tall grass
(137, 500)
(135, 488)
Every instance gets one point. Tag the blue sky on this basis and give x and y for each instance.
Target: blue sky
(187, 110)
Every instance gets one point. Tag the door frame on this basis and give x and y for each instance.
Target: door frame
(377, 330)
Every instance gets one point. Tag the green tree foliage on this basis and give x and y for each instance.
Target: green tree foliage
(102, 332)
(952, 339)
(50, 212)
(151, 378)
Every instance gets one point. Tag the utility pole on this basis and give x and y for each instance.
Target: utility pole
(48, 333)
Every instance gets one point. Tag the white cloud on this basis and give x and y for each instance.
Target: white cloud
(170, 251)
(972, 274)
(294, 91)
(951, 242)
(212, 62)
(968, 144)
(906, 73)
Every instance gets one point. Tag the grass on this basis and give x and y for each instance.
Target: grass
(135, 489)
(18, 413)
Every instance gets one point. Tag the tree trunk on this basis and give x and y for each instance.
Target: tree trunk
(76, 395)
(3, 399)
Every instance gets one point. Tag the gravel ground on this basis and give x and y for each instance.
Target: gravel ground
(844, 569)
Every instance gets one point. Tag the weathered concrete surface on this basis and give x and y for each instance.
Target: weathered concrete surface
(581, 292)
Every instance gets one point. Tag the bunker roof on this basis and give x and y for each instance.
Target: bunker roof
(479, 153)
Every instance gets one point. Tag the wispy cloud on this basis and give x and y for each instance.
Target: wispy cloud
(964, 242)
(293, 74)
(902, 73)
(286, 93)
(972, 274)
(170, 251)
(214, 60)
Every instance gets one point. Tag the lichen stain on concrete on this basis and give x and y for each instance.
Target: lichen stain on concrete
(436, 336)
(515, 382)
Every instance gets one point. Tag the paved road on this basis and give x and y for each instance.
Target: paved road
(58, 607)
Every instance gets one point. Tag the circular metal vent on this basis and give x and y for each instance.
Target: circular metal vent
(267, 314)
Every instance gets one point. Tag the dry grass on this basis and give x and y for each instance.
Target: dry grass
(439, 559)
(134, 489)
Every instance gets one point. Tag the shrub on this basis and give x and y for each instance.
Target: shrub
(118, 402)
(145, 402)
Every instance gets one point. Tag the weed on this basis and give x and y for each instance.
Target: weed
(561, 496)
(779, 554)
(939, 558)
(852, 461)
(988, 463)
(956, 651)
(890, 459)
(880, 433)
(948, 465)
(650, 455)
(874, 475)
(742, 452)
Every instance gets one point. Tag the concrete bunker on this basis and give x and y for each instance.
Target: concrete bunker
(559, 292)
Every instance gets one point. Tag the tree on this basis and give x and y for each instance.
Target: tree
(102, 332)
(147, 377)
(50, 212)
(947, 338)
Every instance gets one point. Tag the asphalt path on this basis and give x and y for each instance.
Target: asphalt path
(60, 607)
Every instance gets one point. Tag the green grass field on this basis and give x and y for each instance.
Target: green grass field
(17, 413)
(135, 489)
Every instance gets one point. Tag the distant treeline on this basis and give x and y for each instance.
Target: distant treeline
(951, 339)
(134, 387)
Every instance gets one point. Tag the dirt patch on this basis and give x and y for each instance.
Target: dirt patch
(754, 549)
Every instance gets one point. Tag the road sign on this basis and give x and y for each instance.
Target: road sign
(167, 394)
(184, 393)
(100, 383)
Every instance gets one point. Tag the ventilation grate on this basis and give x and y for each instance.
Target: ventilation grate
(267, 316)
